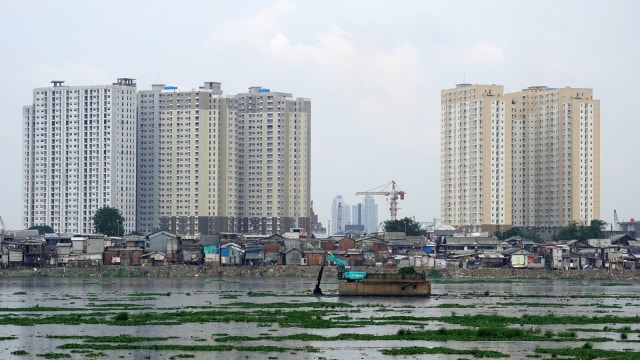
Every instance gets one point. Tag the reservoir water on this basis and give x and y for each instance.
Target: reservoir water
(97, 299)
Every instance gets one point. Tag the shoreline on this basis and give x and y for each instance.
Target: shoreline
(178, 271)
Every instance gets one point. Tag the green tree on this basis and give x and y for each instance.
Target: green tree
(594, 230)
(108, 221)
(523, 233)
(405, 225)
(42, 229)
(572, 231)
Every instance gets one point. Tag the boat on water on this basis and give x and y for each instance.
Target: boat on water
(362, 283)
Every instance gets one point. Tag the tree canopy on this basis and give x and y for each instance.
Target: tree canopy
(573, 231)
(109, 221)
(523, 233)
(405, 225)
(42, 229)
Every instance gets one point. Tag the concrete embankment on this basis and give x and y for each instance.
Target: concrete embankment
(310, 272)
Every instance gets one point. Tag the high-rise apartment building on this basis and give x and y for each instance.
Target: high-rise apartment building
(212, 163)
(529, 158)
(79, 154)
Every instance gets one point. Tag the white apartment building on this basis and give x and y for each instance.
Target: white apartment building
(79, 154)
(212, 163)
(529, 158)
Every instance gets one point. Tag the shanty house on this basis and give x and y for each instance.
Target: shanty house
(191, 251)
(465, 245)
(211, 249)
(254, 254)
(231, 254)
(272, 252)
(166, 243)
(518, 258)
(293, 257)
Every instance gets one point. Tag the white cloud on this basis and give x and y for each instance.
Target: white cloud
(381, 84)
(485, 53)
(480, 54)
(250, 31)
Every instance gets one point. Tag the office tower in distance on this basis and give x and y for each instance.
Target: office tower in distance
(340, 216)
(79, 155)
(364, 216)
(370, 215)
(529, 158)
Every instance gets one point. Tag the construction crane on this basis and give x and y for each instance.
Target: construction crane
(3, 226)
(392, 194)
(616, 223)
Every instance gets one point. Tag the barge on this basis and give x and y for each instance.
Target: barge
(362, 283)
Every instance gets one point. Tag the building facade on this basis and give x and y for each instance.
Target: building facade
(211, 163)
(340, 216)
(370, 215)
(529, 158)
(79, 155)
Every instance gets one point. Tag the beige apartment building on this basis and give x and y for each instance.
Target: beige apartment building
(530, 158)
(211, 163)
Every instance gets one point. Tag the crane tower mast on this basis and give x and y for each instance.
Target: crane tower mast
(393, 194)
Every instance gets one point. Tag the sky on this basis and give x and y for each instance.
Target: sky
(372, 69)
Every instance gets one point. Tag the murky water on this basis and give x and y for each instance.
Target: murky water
(510, 298)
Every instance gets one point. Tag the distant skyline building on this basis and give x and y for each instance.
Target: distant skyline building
(370, 215)
(79, 155)
(362, 217)
(340, 216)
(530, 158)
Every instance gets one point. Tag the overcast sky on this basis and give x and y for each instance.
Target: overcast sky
(372, 69)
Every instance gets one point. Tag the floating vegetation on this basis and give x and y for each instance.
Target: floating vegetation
(112, 339)
(54, 356)
(138, 294)
(178, 347)
(260, 294)
(417, 350)
(442, 334)
(229, 296)
(454, 306)
(588, 352)
(533, 304)
(280, 323)
(615, 284)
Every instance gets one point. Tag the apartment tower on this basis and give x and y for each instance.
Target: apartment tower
(211, 163)
(79, 154)
(556, 159)
(529, 158)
